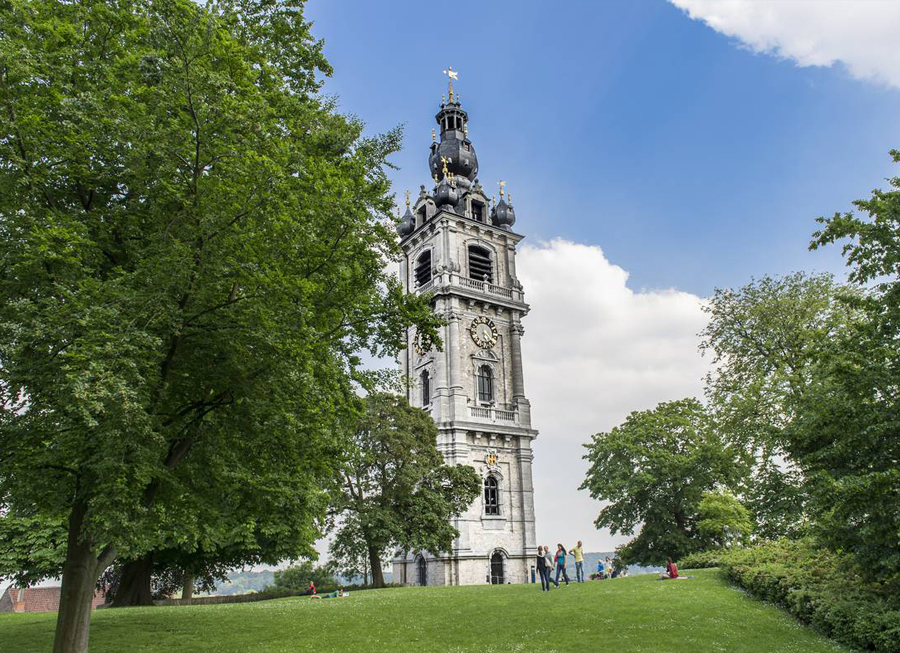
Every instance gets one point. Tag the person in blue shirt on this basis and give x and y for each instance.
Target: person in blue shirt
(561, 564)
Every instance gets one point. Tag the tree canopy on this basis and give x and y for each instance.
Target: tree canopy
(192, 249)
(654, 469)
(394, 491)
(767, 340)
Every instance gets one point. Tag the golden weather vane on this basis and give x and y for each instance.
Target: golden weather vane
(501, 183)
(445, 160)
(451, 75)
(407, 197)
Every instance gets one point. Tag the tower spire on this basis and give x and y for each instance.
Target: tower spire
(451, 75)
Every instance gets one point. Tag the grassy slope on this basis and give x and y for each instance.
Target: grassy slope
(622, 615)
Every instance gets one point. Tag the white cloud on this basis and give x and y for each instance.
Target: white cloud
(595, 350)
(861, 34)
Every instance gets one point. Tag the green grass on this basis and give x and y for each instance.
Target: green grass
(622, 616)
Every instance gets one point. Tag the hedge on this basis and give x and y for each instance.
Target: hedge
(819, 587)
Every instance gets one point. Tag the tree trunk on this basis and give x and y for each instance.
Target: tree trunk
(134, 583)
(375, 563)
(80, 573)
(187, 586)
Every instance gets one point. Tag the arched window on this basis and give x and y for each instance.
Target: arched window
(422, 571)
(480, 267)
(497, 568)
(423, 268)
(491, 496)
(485, 379)
(426, 387)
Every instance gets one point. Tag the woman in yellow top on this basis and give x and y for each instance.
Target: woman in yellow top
(578, 553)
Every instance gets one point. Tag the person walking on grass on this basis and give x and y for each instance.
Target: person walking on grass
(578, 553)
(549, 566)
(561, 564)
(543, 570)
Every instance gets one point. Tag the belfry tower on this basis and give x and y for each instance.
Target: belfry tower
(461, 250)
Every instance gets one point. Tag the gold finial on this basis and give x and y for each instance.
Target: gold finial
(501, 183)
(493, 200)
(407, 198)
(443, 99)
(445, 160)
(433, 136)
(451, 75)
(436, 180)
(509, 198)
(466, 131)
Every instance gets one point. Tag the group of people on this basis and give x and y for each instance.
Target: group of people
(547, 563)
(606, 569)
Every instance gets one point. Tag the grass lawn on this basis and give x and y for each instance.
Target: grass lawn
(620, 616)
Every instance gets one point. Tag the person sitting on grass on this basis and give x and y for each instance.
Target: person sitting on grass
(671, 571)
(338, 593)
(601, 569)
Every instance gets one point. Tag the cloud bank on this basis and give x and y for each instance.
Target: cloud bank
(594, 350)
(860, 34)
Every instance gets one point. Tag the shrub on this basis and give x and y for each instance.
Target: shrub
(702, 559)
(821, 588)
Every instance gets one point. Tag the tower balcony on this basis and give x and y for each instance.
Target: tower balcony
(447, 282)
(493, 415)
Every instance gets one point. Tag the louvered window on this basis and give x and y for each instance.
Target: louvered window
(423, 268)
(480, 267)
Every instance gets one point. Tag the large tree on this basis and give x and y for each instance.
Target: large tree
(395, 492)
(192, 246)
(849, 438)
(653, 470)
(767, 340)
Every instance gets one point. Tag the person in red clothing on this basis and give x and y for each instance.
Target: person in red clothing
(310, 591)
(671, 570)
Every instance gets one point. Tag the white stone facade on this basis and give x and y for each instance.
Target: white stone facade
(493, 434)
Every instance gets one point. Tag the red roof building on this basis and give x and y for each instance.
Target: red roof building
(36, 599)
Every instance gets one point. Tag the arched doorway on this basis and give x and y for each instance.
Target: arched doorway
(422, 571)
(497, 568)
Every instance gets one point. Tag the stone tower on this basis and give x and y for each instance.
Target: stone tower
(462, 251)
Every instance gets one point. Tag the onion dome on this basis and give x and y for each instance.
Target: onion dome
(502, 215)
(505, 215)
(446, 193)
(407, 222)
(454, 148)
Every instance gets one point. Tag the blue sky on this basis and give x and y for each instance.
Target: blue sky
(654, 153)
(692, 161)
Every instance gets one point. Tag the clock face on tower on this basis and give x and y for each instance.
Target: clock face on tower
(484, 332)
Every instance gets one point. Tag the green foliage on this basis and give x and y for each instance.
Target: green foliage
(298, 577)
(654, 469)
(849, 440)
(723, 519)
(32, 548)
(821, 588)
(702, 559)
(193, 246)
(395, 490)
(626, 615)
(767, 340)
